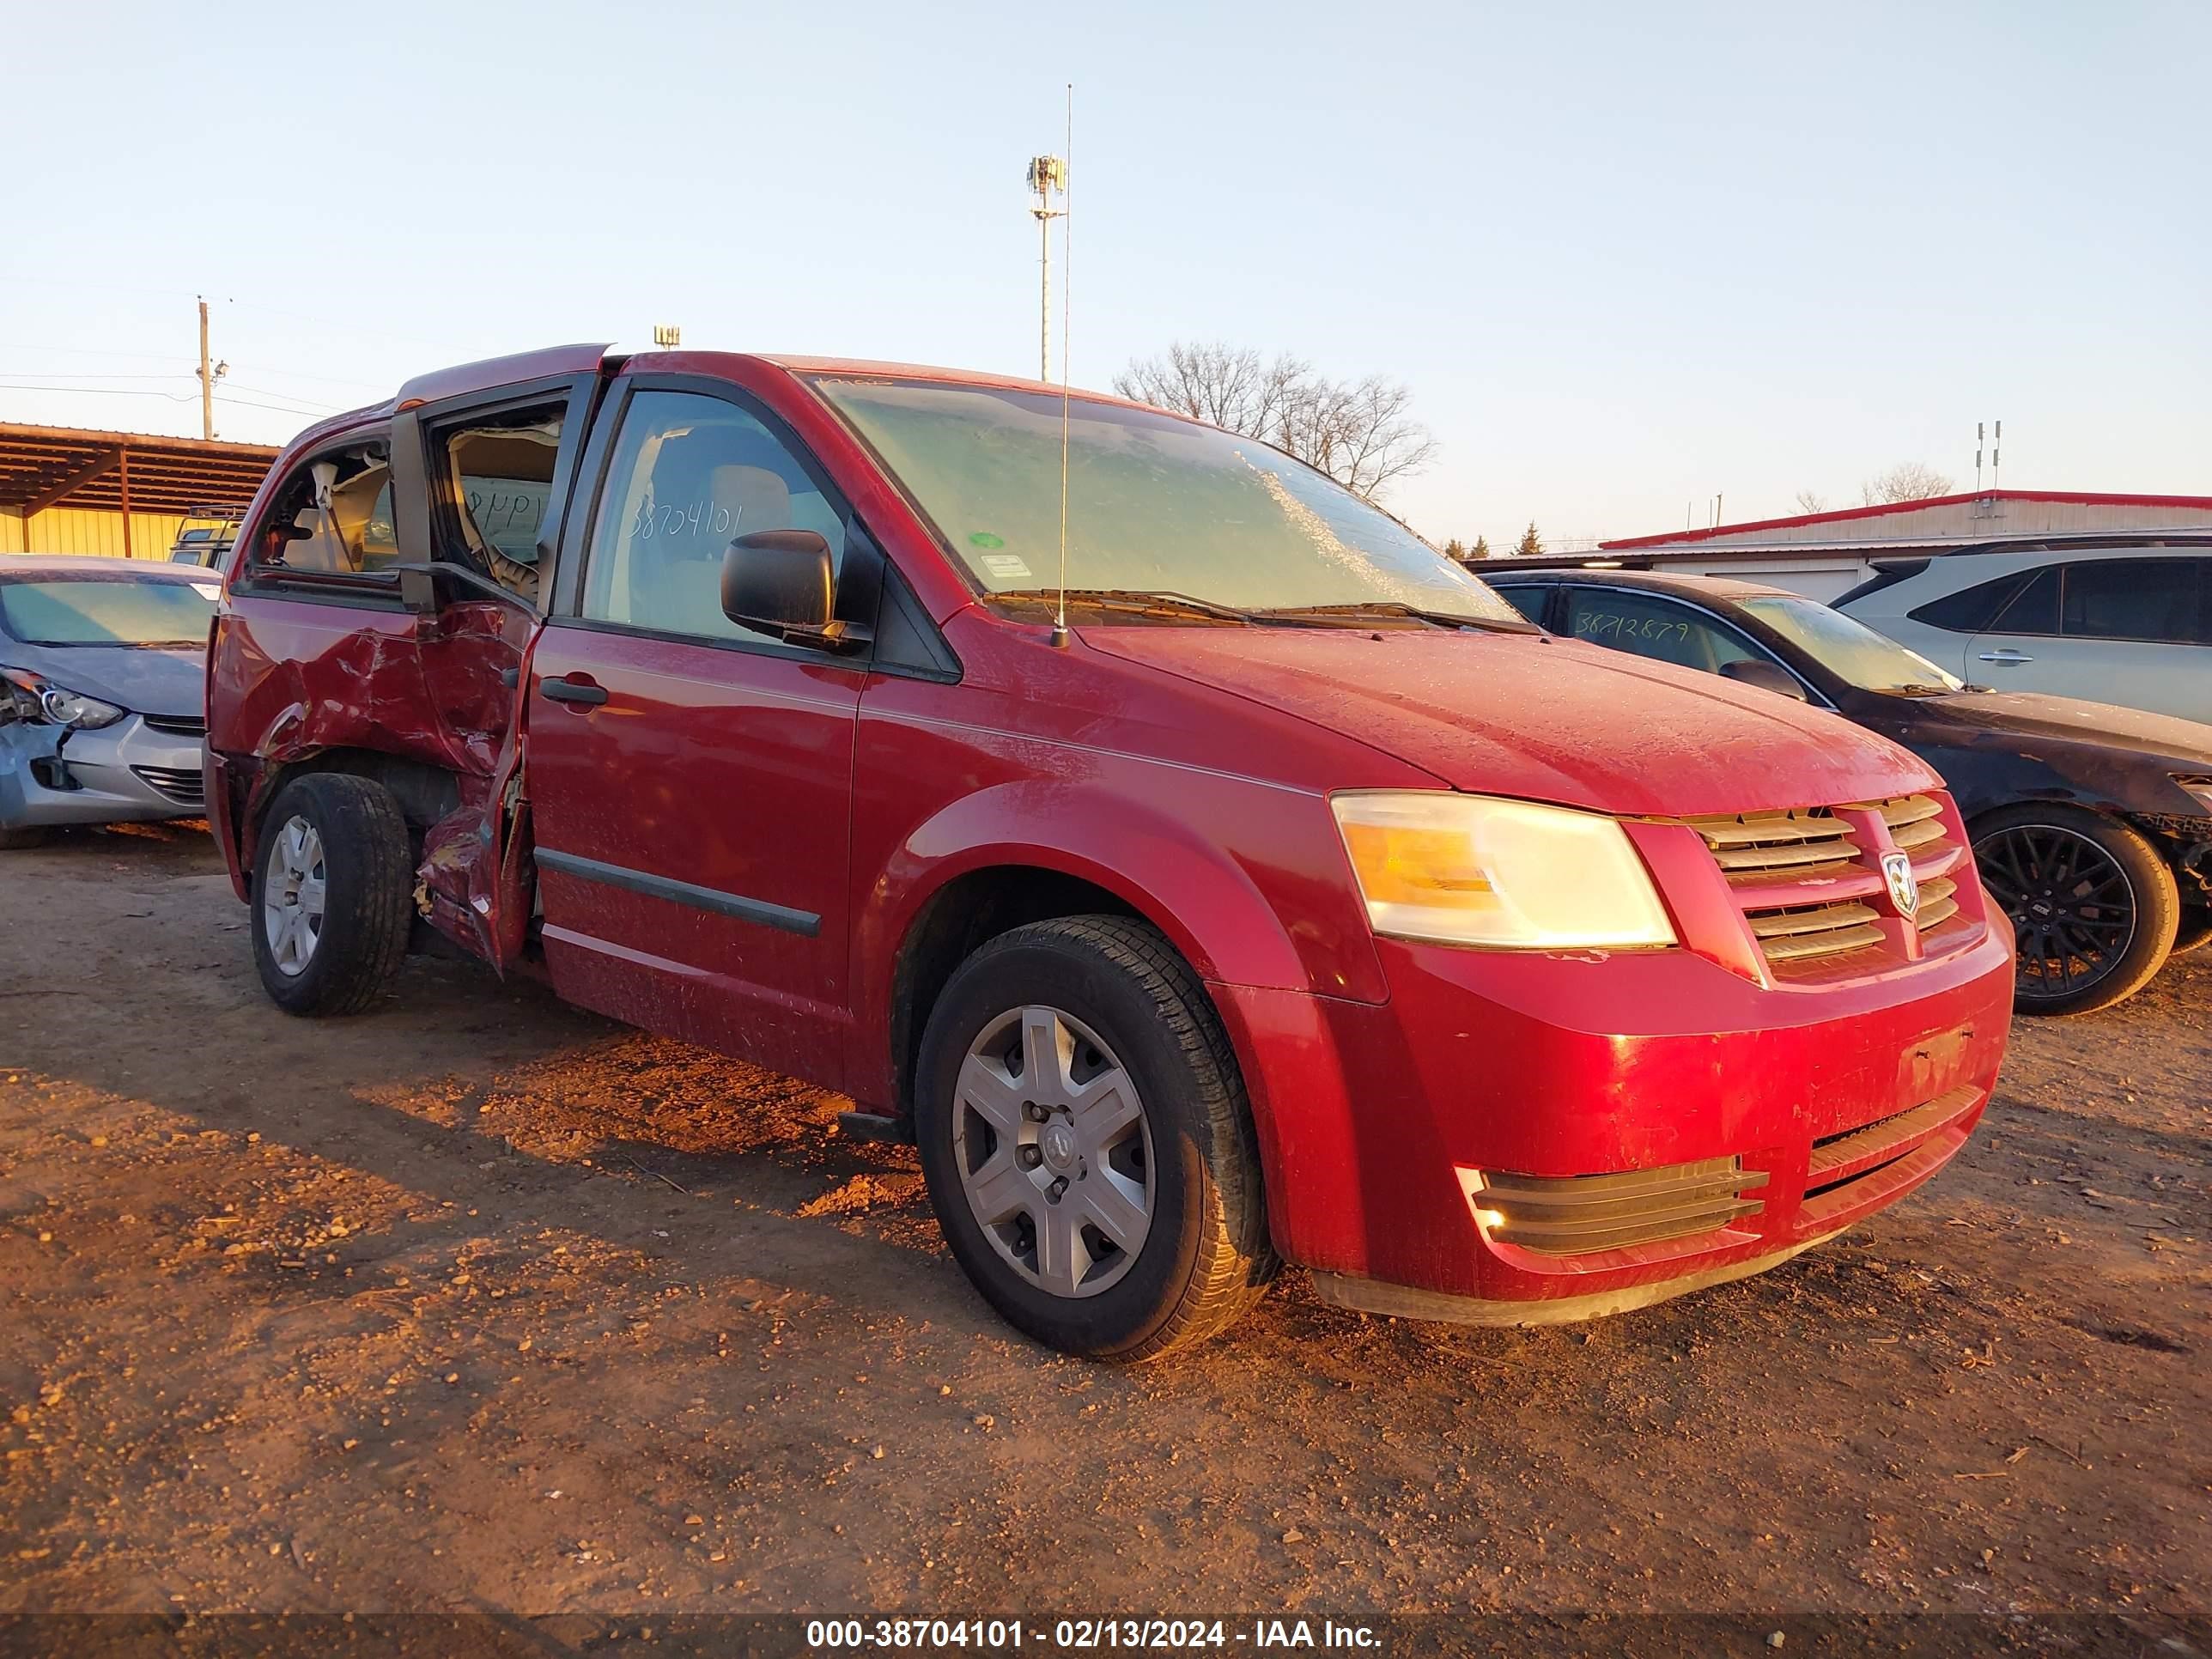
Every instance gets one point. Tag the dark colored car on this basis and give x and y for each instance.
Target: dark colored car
(1294, 899)
(2091, 823)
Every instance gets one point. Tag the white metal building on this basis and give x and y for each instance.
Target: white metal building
(1823, 555)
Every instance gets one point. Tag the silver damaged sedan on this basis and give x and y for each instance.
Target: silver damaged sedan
(103, 674)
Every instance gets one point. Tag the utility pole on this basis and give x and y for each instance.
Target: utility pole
(207, 378)
(1048, 177)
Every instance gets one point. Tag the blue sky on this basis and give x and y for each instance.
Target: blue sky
(1627, 257)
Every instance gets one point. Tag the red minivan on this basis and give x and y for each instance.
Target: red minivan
(1294, 901)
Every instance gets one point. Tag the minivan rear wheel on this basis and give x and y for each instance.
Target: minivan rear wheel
(1087, 1140)
(331, 901)
(2093, 908)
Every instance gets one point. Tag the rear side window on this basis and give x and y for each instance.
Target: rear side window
(498, 476)
(333, 515)
(2155, 599)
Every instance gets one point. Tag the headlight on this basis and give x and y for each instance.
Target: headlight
(30, 698)
(1471, 870)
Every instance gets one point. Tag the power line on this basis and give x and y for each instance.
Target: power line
(101, 390)
(171, 397)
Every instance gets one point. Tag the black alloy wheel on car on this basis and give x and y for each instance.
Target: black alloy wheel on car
(2093, 908)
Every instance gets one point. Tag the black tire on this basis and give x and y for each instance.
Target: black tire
(2082, 888)
(18, 841)
(1206, 1256)
(2195, 931)
(367, 902)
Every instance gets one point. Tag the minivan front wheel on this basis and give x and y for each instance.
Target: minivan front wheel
(1087, 1141)
(2093, 908)
(331, 901)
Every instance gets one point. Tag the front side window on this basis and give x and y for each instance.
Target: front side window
(498, 473)
(1154, 504)
(2151, 599)
(1652, 627)
(66, 610)
(1971, 610)
(333, 515)
(2034, 608)
(689, 474)
(1526, 598)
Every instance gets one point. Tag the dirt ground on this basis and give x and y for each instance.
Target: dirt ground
(477, 1302)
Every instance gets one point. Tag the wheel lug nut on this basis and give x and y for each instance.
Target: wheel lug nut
(1030, 1158)
(1035, 1113)
(1058, 1189)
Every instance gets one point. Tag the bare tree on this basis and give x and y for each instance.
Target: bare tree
(1811, 502)
(1233, 387)
(1361, 433)
(1908, 481)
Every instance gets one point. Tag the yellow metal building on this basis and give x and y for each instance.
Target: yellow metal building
(116, 494)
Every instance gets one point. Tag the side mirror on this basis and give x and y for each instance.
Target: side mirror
(1766, 676)
(778, 582)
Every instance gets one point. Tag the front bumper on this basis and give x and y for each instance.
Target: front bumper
(1379, 1126)
(126, 772)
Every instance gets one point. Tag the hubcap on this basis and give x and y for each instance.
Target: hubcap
(2070, 903)
(292, 902)
(1054, 1152)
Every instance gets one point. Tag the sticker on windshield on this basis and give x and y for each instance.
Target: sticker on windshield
(1004, 567)
(985, 538)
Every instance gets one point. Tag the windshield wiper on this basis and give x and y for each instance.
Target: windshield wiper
(1128, 598)
(1324, 614)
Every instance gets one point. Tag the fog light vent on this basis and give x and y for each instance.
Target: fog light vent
(1579, 1215)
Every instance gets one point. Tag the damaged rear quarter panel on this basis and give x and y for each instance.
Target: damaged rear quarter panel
(293, 681)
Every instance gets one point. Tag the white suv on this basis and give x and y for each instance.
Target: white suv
(2126, 622)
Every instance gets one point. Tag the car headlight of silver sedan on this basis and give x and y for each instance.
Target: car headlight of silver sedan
(29, 697)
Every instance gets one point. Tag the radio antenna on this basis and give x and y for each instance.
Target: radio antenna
(1066, 291)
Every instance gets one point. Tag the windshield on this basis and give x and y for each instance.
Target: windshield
(1849, 649)
(1155, 505)
(106, 610)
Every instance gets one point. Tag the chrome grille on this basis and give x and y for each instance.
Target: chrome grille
(1938, 903)
(177, 725)
(1779, 864)
(1794, 933)
(1755, 846)
(1577, 1215)
(1916, 821)
(179, 785)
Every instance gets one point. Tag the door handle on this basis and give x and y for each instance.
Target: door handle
(2006, 658)
(571, 691)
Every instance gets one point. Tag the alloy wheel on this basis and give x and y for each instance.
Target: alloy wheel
(1053, 1149)
(2072, 906)
(292, 905)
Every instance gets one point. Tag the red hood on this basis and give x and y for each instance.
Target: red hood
(1542, 718)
